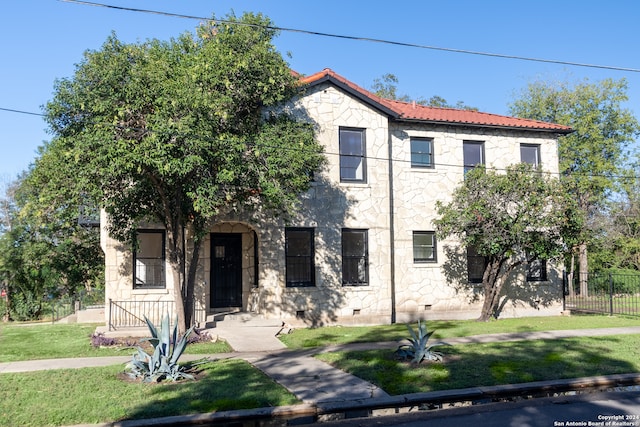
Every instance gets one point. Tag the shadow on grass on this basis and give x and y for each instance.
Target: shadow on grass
(476, 365)
(221, 386)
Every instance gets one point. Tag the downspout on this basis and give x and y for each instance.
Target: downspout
(392, 238)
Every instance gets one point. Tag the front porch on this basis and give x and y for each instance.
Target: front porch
(226, 278)
(241, 330)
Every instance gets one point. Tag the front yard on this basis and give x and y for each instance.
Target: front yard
(92, 395)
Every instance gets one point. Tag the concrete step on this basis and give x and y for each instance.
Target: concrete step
(245, 331)
(91, 315)
(239, 319)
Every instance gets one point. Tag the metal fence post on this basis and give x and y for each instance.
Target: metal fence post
(110, 311)
(564, 290)
(610, 294)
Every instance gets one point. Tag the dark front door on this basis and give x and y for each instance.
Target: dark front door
(226, 270)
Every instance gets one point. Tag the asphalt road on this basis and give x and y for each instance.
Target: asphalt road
(607, 409)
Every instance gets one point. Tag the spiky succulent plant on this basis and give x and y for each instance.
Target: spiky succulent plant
(162, 363)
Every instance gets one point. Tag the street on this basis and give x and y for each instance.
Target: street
(605, 409)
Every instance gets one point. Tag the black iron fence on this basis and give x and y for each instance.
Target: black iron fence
(609, 293)
(64, 306)
(131, 314)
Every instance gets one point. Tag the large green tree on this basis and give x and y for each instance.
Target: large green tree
(181, 132)
(44, 251)
(510, 219)
(595, 153)
(617, 227)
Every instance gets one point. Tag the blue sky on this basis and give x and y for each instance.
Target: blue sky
(42, 40)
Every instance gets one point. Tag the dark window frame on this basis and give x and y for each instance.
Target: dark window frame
(467, 164)
(349, 261)
(433, 246)
(415, 153)
(537, 154)
(310, 259)
(477, 259)
(535, 273)
(350, 156)
(162, 265)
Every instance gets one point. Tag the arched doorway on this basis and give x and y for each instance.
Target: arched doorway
(233, 264)
(226, 270)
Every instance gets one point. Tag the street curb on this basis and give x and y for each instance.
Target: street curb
(476, 394)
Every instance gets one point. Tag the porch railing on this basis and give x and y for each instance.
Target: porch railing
(608, 293)
(131, 314)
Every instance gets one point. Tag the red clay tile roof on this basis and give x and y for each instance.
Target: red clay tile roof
(407, 111)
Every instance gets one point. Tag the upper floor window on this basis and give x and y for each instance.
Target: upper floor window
(300, 256)
(530, 153)
(148, 260)
(422, 153)
(352, 155)
(473, 154)
(355, 258)
(424, 246)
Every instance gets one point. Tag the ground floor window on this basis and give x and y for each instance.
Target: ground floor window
(424, 246)
(355, 258)
(300, 256)
(149, 259)
(537, 270)
(476, 265)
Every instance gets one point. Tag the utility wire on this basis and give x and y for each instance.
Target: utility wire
(11, 110)
(359, 38)
(328, 153)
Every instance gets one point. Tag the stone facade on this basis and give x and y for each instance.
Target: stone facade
(389, 205)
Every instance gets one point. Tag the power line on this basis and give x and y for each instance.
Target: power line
(11, 110)
(360, 38)
(328, 153)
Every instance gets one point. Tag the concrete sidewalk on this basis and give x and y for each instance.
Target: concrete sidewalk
(324, 389)
(309, 379)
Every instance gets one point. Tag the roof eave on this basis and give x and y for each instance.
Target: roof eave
(486, 126)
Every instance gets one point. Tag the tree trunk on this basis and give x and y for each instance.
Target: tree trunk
(189, 312)
(489, 305)
(175, 243)
(583, 269)
(571, 275)
(492, 287)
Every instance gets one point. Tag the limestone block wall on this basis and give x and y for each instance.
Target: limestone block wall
(440, 289)
(119, 276)
(425, 290)
(329, 207)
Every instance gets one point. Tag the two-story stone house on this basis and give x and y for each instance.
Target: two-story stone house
(363, 247)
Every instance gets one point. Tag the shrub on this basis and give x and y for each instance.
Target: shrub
(419, 348)
(100, 340)
(163, 362)
(199, 336)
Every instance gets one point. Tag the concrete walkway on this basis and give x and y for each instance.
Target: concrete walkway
(309, 379)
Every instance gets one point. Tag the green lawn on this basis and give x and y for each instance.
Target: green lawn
(473, 365)
(73, 340)
(306, 338)
(95, 395)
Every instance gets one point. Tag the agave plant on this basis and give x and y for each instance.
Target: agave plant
(162, 363)
(419, 348)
